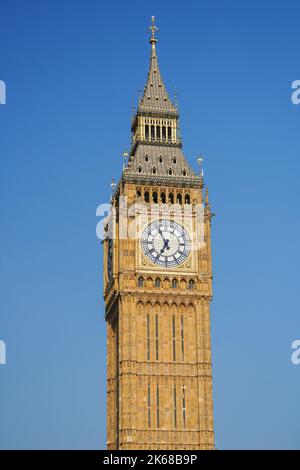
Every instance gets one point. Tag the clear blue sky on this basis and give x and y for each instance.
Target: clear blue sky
(73, 71)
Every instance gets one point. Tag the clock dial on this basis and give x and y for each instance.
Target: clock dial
(110, 258)
(166, 243)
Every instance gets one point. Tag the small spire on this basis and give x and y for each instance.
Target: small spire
(206, 197)
(175, 95)
(113, 184)
(200, 161)
(207, 209)
(125, 156)
(153, 30)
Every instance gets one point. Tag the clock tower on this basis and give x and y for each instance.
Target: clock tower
(158, 287)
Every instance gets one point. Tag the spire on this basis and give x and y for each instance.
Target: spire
(156, 149)
(155, 97)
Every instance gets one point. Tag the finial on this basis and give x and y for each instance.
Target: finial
(113, 184)
(140, 94)
(125, 155)
(200, 161)
(153, 30)
(113, 187)
(175, 95)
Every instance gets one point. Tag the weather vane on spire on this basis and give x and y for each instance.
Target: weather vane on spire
(153, 30)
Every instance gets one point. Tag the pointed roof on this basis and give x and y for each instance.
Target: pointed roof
(155, 97)
(159, 161)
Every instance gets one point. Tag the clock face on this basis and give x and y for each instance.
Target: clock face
(110, 258)
(166, 243)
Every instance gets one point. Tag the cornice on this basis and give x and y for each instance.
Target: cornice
(167, 180)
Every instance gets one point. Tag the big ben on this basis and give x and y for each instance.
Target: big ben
(158, 287)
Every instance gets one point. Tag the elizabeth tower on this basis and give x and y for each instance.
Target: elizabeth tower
(158, 287)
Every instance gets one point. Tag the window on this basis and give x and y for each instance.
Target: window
(160, 159)
(171, 198)
(169, 133)
(184, 172)
(146, 158)
(164, 132)
(158, 132)
(157, 406)
(154, 170)
(147, 131)
(157, 282)
(149, 406)
(163, 198)
(154, 197)
(187, 199)
(182, 337)
(148, 337)
(174, 284)
(175, 407)
(140, 169)
(141, 282)
(191, 284)
(152, 132)
(156, 337)
(183, 406)
(179, 198)
(138, 193)
(146, 196)
(174, 160)
(170, 171)
(173, 338)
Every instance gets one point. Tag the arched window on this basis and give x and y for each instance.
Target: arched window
(146, 196)
(160, 159)
(157, 282)
(174, 160)
(163, 198)
(138, 193)
(154, 170)
(154, 197)
(174, 284)
(171, 198)
(191, 284)
(187, 199)
(184, 172)
(152, 132)
(163, 132)
(146, 158)
(169, 133)
(147, 131)
(158, 132)
(170, 171)
(141, 282)
(140, 169)
(179, 198)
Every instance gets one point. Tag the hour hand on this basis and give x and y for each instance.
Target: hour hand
(166, 246)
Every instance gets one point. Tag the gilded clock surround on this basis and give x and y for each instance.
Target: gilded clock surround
(159, 378)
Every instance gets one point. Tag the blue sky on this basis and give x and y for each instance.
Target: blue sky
(73, 71)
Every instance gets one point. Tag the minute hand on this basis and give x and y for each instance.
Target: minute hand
(160, 232)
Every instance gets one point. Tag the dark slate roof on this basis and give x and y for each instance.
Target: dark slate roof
(155, 98)
(148, 157)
